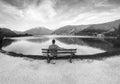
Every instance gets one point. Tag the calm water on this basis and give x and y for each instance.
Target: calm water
(84, 45)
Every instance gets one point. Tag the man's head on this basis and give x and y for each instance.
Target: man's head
(53, 41)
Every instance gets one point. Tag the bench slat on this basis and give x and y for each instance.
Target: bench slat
(61, 49)
(61, 52)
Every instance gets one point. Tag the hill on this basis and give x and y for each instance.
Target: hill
(19, 32)
(88, 29)
(39, 31)
(100, 28)
(7, 32)
(69, 29)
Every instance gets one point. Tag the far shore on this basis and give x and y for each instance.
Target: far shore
(65, 36)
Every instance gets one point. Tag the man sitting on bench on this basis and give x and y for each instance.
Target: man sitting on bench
(53, 49)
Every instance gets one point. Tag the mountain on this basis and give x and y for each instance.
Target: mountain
(100, 28)
(19, 32)
(39, 31)
(88, 29)
(7, 32)
(69, 30)
(35, 31)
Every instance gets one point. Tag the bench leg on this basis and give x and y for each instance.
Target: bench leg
(70, 60)
(71, 57)
(48, 59)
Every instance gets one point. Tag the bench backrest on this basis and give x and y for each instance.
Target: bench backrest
(59, 50)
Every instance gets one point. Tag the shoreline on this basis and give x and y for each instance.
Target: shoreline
(41, 57)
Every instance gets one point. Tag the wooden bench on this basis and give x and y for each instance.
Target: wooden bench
(71, 53)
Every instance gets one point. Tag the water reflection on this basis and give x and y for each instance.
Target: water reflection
(114, 42)
(78, 41)
(7, 42)
(105, 44)
(33, 45)
(40, 40)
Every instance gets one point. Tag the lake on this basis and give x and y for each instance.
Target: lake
(84, 45)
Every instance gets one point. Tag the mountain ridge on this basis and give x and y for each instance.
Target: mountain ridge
(85, 29)
(39, 31)
(7, 32)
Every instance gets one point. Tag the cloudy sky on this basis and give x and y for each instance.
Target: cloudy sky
(25, 14)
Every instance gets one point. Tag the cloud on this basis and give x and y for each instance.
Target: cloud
(115, 2)
(24, 14)
(21, 4)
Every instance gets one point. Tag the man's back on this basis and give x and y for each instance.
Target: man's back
(53, 46)
(53, 49)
